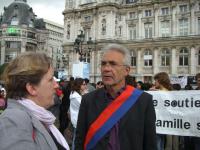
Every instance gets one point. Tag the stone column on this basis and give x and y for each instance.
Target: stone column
(139, 63)
(23, 46)
(3, 46)
(192, 20)
(155, 61)
(156, 23)
(92, 63)
(140, 24)
(193, 62)
(173, 61)
(174, 21)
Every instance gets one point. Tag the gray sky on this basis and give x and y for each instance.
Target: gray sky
(47, 9)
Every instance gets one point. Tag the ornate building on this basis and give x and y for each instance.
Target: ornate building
(162, 35)
(21, 31)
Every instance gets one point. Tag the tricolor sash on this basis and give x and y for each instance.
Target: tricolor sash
(111, 115)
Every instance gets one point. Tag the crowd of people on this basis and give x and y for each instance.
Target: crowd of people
(113, 114)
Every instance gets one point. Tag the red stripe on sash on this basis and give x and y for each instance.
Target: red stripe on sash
(107, 113)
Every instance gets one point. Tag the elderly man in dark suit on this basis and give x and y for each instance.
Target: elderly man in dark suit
(118, 116)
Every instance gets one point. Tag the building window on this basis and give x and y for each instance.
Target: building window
(87, 34)
(132, 32)
(148, 30)
(133, 58)
(148, 13)
(130, 1)
(132, 15)
(183, 57)
(103, 27)
(10, 56)
(165, 57)
(86, 1)
(13, 44)
(165, 11)
(14, 21)
(199, 58)
(87, 18)
(165, 28)
(31, 24)
(147, 58)
(183, 8)
(183, 26)
(69, 3)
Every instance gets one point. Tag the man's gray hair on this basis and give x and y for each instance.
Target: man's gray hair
(121, 49)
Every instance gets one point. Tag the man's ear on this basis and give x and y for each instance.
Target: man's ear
(31, 89)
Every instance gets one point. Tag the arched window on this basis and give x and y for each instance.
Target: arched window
(69, 4)
(133, 58)
(199, 58)
(183, 57)
(14, 21)
(165, 57)
(103, 28)
(148, 58)
(31, 24)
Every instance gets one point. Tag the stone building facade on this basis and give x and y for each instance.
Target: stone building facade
(162, 35)
(21, 31)
(54, 43)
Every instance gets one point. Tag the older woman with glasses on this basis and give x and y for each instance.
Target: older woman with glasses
(79, 88)
(26, 124)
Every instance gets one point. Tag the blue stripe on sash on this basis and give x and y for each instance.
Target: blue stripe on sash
(117, 115)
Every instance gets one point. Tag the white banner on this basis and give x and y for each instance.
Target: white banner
(177, 112)
(176, 80)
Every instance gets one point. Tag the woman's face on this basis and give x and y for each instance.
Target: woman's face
(83, 87)
(45, 90)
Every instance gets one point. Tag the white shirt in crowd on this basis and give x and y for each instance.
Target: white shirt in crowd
(75, 101)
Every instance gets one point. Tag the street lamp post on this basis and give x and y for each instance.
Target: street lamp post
(78, 44)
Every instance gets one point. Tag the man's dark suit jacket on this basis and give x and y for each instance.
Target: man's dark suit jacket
(136, 127)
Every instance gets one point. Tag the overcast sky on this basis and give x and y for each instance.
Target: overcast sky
(47, 9)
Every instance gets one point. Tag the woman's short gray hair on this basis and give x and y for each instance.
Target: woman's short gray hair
(121, 49)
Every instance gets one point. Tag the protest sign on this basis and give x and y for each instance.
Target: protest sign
(177, 112)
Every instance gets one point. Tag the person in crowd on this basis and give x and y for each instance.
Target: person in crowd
(90, 88)
(99, 85)
(198, 81)
(55, 109)
(140, 85)
(176, 87)
(26, 123)
(2, 101)
(195, 141)
(64, 107)
(78, 89)
(117, 116)
(130, 80)
(188, 87)
(162, 83)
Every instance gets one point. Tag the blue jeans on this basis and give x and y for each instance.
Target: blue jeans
(73, 141)
(160, 141)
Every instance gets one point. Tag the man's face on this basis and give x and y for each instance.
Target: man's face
(113, 70)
